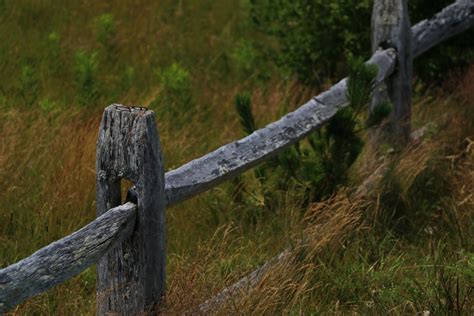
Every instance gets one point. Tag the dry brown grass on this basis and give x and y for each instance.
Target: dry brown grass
(288, 285)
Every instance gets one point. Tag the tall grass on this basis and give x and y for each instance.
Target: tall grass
(348, 255)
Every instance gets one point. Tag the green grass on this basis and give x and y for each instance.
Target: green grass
(405, 249)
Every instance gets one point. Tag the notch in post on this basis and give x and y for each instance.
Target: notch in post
(131, 277)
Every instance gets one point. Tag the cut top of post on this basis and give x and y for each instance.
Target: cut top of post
(131, 278)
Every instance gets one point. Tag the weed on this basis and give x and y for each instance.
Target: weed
(48, 106)
(29, 85)
(127, 79)
(320, 165)
(175, 98)
(53, 47)
(244, 110)
(245, 56)
(85, 69)
(105, 30)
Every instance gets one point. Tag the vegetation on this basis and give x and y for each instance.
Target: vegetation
(314, 37)
(370, 230)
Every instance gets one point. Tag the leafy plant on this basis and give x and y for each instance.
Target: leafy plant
(85, 69)
(379, 113)
(175, 97)
(244, 110)
(3, 102)
(105, 29)
(244, 55)
(315, 36)
(128, 76)
(53, 46)
(320, 164)
(361, 83)
(48, 106)
(29, 85)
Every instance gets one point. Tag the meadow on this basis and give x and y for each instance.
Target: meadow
(404, 247)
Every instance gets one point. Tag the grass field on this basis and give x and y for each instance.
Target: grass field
(407, 247)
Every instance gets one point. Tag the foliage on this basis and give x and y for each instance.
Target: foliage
(244, 110)
(86, 66)
(48, 106)
(127, 79)
(53, 47)
(321, 164)
(222, 235)
(29, 85)
(105, 29)
(245, 55)
(316, 36)
(451, 56)
(361, 83)
(379, 113)
(175, 100)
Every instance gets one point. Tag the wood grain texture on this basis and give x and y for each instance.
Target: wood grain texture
(450, 21)
(131, 277)
(66, 257)
(232, 159)
(453, 19)
(391, 28)
(249, 281)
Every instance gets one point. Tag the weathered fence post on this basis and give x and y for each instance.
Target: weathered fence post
(131, 277)
(391, 28)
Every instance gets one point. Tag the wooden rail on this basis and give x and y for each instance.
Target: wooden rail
(129, 246)
(66, 257)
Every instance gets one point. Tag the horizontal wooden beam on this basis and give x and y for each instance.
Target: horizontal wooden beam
(452, 20)
(232, 159)
(252, 279)
(69, 256)
(66, 257)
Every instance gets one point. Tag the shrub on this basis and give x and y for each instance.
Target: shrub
(29, 85)
(322, 163)
(48, 106)
(175, 98)
(105, 29)
(128, 76)
(244, 55)
(244, 110)
(316, 36)
(452, 55)
(85, 70)
(53, 45)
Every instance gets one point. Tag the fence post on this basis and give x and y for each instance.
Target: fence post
(131, 277)
(391, 28)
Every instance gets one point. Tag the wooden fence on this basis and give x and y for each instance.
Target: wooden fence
(128, 241)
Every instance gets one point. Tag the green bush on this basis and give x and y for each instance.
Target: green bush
(315, 37)
(244, 110)
(53, 46)
(85, 69)
(320, 164)
(48, 106)
(175, 98)
(29, 85)
(105, 29)
(245, 55)
(451, 55)
(127, 79)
